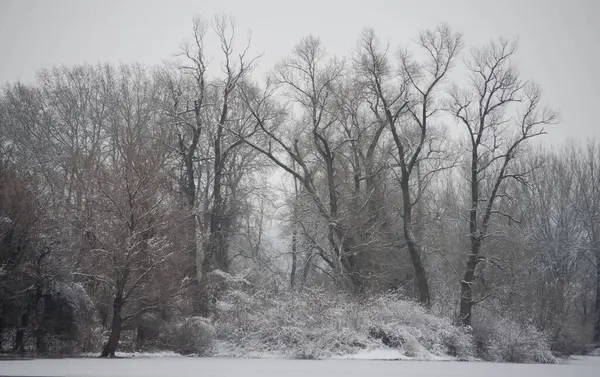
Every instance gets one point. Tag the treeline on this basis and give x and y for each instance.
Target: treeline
(134, 197)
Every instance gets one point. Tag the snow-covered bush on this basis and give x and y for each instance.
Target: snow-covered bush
(594, 352)
(192, 335)
(501, 339)
(570, 338)
(301, 326)
(316, 324)
(417, 331)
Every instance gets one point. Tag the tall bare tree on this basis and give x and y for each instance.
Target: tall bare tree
(405, 102)
(203, 108)
(500, 112)
(309, 80)
(127, 227)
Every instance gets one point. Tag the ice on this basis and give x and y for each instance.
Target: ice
(213, 367)
(161, 354)
(377, 354)
(393, 354)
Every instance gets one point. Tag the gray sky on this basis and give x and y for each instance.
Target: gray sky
(559, 40)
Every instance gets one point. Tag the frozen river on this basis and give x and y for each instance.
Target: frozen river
(212, 367)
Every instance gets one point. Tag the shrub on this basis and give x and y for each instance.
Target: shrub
(501, 339)
(193, 335)
(316, 324)
(89, 338)
(420, 333)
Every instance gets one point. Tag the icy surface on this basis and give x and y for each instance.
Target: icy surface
(212, 367)
(161, 354)
(391, 354)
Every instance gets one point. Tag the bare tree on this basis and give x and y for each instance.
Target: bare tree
(24, 255)
(128, 234)
(203, 109)
(309, 81)
(184, 103)
(405, 102)
(500, 112)
(552, 233)
(587, 174)
(235, 71)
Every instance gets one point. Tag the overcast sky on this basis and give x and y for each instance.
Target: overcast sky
(559, 39)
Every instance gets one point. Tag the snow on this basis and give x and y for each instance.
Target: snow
(161, 354)
(230, 278)
(377, 354)
(213, 367)
(595, 352)
(392, 354)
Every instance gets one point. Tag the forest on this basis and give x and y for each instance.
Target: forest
(401, 196)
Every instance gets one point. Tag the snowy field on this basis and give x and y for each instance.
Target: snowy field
(213, 367)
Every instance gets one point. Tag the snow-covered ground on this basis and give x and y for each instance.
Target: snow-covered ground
(212, 367)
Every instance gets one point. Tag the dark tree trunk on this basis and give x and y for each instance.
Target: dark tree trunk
(219, 224)
(466, 285)
(19, 346)
(306, 270)
(115, 330)
(195, 292)
(414, 248)
(1, 328)
(358, 284)
(40, 341)
(294, 234)
(216, 244)
(189, 188)
(344, 263)
(597, 322)
(294, 257)
(214, 252)
(466, 291)
(192, 269)
(205, 296)
(140, 338)
(204, 286)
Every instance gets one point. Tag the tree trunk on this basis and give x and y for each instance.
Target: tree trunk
(597, 323)
(345, 264)
(193, 271)
(195, 292)
(204, 286)
(466, 284)
(306, 269)
(41, 346)
(40, 332)
(294, 257)
(19, 346)
(115, 330)
(294, 233)
(216, 218)
(358, 284)
(205, 296)
(466, 290)
(1, 328)
(414, 248)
